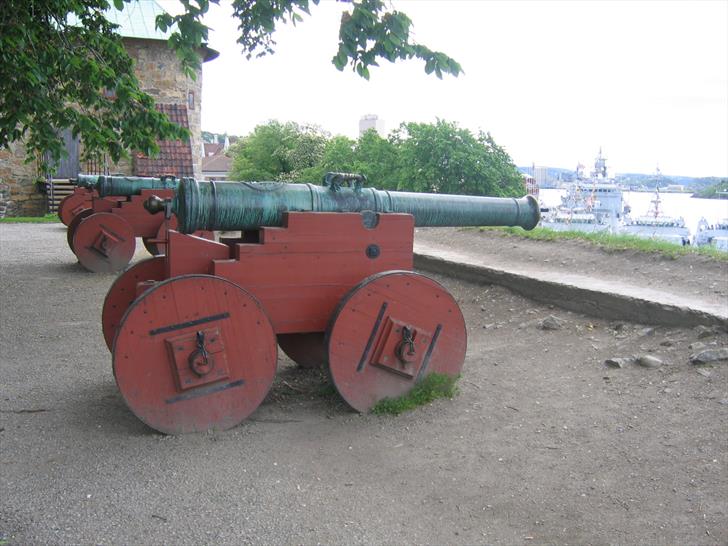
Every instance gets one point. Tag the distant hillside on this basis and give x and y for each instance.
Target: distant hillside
(557, 174)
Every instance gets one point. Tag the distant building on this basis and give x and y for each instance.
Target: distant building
(158, 70)
(541, 175)
(216, 167)
(371, 121)
(212, 148)
(530, 185)
(216, 163)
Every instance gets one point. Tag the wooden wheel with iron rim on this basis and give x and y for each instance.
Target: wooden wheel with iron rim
(306, 350)
(391, 331)
(71, 205)
(194, 353)
(75, 221)
(124, 291)
(104, 242)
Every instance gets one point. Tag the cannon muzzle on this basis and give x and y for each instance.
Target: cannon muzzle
(124, 186)
(251, 205)
(90, 181)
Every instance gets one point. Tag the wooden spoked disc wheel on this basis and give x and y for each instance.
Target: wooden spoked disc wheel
(74, 223)
(104, 242)
(124, 291)
(71, 205)
(391, 331)
(194, 353)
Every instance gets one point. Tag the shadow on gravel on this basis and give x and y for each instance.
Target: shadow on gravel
(100, 409)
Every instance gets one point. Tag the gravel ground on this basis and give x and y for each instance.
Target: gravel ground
(544, 443)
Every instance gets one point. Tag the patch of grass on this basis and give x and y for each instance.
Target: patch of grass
(432, 387)
(49, 218)
(613, 242)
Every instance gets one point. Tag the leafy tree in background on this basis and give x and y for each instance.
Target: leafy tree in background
(303, 151)
(371, 155)
(338, 156)
(714, 189)
(378, 159)
(54, 75)
(278, 151)
(423, 157)
(261, 154)
(443, 158)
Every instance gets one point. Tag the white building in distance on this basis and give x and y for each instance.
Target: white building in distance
(371, 121)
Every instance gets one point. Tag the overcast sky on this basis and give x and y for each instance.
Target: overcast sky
(552, 81)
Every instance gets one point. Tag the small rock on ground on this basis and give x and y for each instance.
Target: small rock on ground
(551, 323)
(649, 361)
(709, 356)
(620, 362)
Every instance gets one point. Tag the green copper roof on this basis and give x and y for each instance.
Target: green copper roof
(137, 19)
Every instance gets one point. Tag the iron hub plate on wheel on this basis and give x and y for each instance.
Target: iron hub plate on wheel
(389, 332)
(194, 353)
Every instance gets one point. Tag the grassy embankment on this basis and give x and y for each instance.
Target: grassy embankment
(49, 218)
(614, 242)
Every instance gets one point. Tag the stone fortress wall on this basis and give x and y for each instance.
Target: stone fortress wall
(159, 73)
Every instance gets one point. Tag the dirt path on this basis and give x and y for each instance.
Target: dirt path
(544, 443)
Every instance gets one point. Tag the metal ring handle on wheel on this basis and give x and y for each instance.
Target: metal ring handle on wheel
(162, 333)
(389, 332)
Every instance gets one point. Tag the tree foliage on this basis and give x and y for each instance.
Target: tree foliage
(713, 191)
(278, 151)
(60, 60)
(436, 157)
(379, 160)
(444, 158)
(55, 75)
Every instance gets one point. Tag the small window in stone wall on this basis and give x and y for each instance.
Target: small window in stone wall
(191, 100)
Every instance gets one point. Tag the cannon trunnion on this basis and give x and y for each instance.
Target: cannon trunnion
(194, 334)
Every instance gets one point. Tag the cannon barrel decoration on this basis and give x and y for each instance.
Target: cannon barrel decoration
(251, 205)
(326, 273)
(107, 216)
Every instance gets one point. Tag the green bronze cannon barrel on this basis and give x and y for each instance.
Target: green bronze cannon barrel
(90, 181)
(122, 186)
(250, 205)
